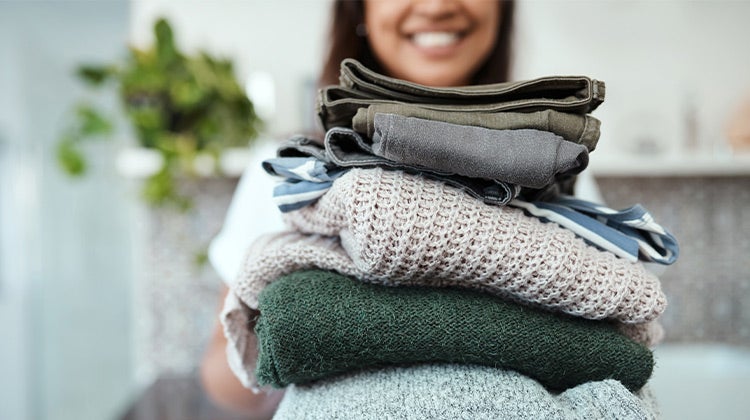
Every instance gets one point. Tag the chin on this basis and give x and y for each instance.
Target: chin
(436, 75)
(440, 80)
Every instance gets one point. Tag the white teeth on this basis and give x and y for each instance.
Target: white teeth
(435, 39)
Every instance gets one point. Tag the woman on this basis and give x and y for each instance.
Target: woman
(430, 42)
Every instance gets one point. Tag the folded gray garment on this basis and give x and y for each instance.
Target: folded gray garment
(452, 391)
(581, 129)
(529, 158)
(347, 148)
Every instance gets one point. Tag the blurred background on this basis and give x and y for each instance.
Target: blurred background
(106, 302)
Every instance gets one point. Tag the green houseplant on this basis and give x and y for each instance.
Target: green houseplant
(183, 106)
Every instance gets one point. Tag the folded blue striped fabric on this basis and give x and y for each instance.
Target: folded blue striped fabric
(631, 234)
(304, 180)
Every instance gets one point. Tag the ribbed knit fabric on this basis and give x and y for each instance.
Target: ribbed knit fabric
(402, 229)
(450, 391)
(237, 320)
(317, 324)
(278, 254)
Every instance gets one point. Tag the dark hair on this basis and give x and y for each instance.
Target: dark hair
(346, 41)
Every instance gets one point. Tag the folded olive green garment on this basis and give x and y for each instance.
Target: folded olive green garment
(577, 92)
(581, 129)
(361, 87)
(317, 324)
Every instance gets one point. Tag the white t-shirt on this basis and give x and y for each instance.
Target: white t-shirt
(251, 213)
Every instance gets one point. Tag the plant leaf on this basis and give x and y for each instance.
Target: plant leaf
(70, 157)
(95, 75)
(180, 105)
(91, 122)
(166, 50)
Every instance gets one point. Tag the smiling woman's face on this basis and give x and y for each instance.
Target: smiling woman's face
(432, 42)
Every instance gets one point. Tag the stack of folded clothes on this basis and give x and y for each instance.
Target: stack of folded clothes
(513, 299)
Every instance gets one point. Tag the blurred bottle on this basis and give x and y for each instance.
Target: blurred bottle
(738, 126)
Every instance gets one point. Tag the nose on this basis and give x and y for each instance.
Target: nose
(435, 8)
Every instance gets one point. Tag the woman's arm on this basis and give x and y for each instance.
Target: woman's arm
(250, 214)
(225, 389)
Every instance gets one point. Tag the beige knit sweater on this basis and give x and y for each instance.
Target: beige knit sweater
(394, 228)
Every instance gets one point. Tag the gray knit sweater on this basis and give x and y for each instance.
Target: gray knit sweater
(449, 391)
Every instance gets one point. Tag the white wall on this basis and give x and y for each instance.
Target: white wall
(65, 267)
(658, 58)
(17, 197)
(280, 37)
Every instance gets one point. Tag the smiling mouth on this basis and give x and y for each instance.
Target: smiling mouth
(436, 39)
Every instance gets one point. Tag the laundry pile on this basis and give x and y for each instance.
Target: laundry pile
(436, 265)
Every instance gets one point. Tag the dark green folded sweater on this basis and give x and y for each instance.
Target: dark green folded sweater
(317, 324)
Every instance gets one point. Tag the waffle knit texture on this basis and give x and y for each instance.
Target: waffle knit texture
(317, 324)
(402, 229)
(450, 391)
(275, 255)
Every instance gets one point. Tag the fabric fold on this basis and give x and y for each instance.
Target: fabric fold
(317, 324)
(238, 321)
(396, 229)
(581, 129)
(451, 391)
(526, 157)
(276, 255)
(631, 233)
(361, 87)
(587, 91)
(346, 148)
